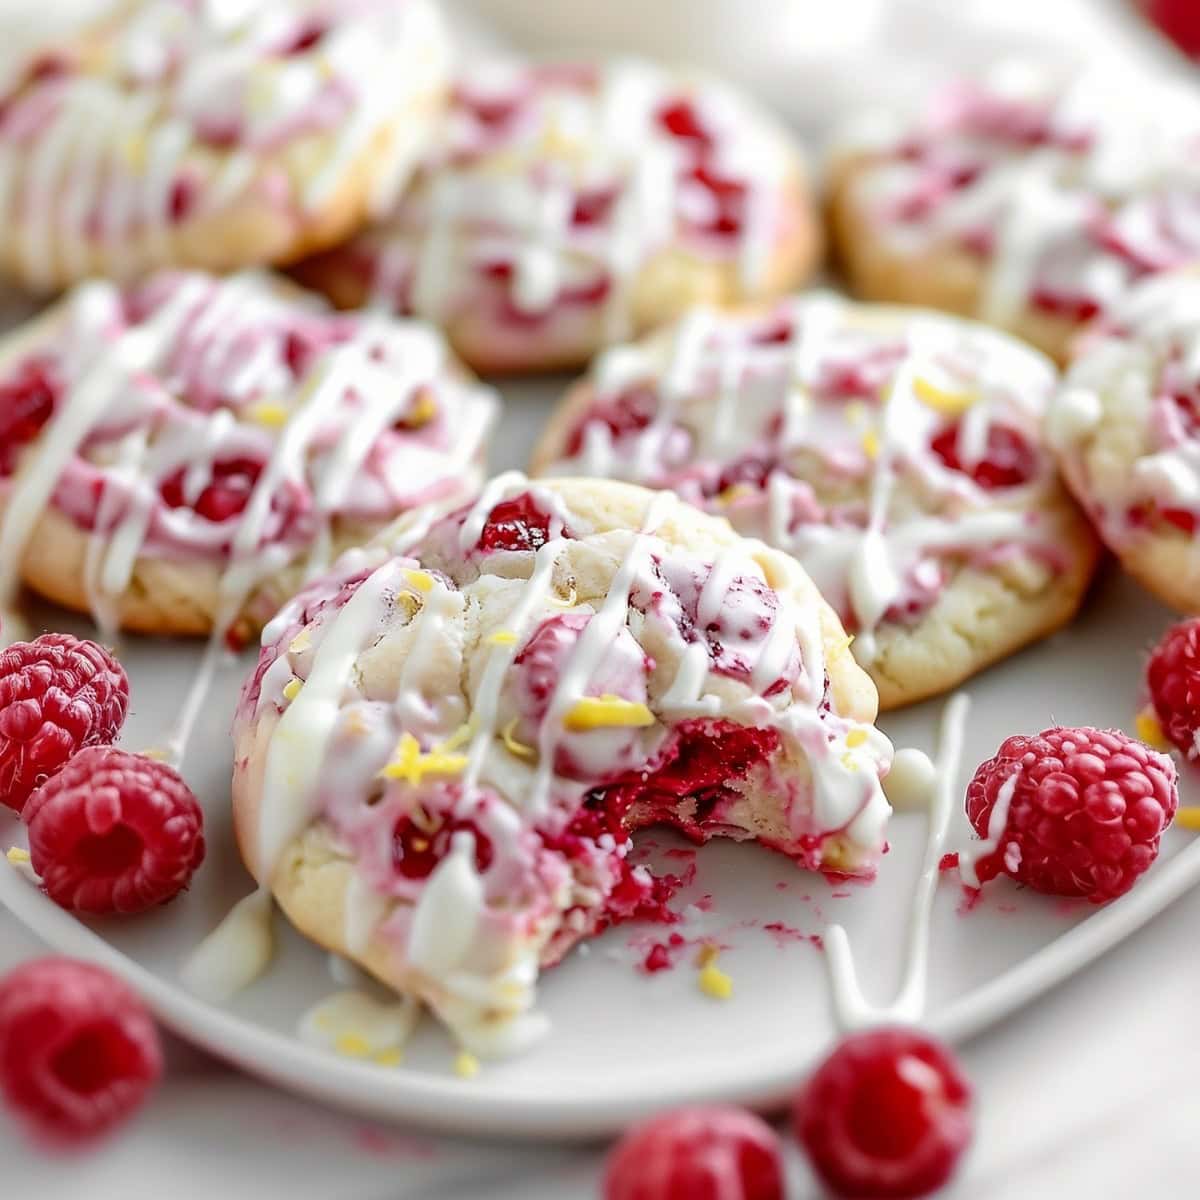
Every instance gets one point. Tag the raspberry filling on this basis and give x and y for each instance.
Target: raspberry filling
(700, 764)
(418, 848)
(26, 403)
(516, 524)
(1009, 460)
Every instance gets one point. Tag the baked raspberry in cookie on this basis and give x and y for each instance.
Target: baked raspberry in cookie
(181, 133)
(183, 453)
(448, 742)
(897, 453)
(570, 205)
(1126, 426)
(1027, 197)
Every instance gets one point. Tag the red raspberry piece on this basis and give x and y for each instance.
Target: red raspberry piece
(1086, 815)
(681, 120)
(114, 832)
(1173, 677)
(628, 413)
(1008, 462)
(1179, 20)
(888, 1113)
(57, 695)
(226, 495)
(78, 1050)
(712, 1153)
(516, 524)
(26, 404)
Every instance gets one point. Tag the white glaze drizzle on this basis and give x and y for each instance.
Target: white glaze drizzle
(851, 1009)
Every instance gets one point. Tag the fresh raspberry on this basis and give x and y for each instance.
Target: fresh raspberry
(78, 1050)
(57, 695)
(114, 832)
(712, 1153)
(888, 1113)
(1179, 20)
(1173, 677)
(1008, 461)
(1086, 812)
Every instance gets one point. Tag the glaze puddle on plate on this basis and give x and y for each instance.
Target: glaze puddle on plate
(623, 1043)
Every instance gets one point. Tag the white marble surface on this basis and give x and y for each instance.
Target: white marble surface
(1089, 1093)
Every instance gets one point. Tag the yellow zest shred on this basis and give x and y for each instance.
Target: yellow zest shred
(393, 1056)
(950, 404)
(706, 954)
(291, 689)
(269, 414)
(855, 738)
(715, 983)
(502, 637)
(466, 1065)
(1150, 730)
(600, 712)
(412, 764)
(1188, 817)
(419, 581)
(16, 856)
(870, 444)
(423, 411)
(300, 642)
(512, 745)
(459, 738)
(352, 1045)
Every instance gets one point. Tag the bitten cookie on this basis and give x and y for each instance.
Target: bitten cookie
(897, 453)
(447, 743)
(1028, 198)
(1126, 426)
(185, 452)
(571, 205)
(176, 133)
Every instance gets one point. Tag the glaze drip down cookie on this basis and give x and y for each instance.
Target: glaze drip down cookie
(448, 742)
(897, 453)
(571, 205)
(1126, 426)
(1027, 197)
(180, 455)
(178, 133)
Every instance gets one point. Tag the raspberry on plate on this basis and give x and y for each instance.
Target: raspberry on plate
(1070, 812)
(114, 832)
(57, 695)
(888, 1113)
(712, 1153)
(1173, 677)
(78, 1050)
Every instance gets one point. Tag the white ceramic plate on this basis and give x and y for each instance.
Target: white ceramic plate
(623, 1043)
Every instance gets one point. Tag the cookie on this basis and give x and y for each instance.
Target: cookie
(1126, 428)
(1028, 198)
(219, 136)
(571, 205)
(183, 453)
(897, 453)
(447, 744)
